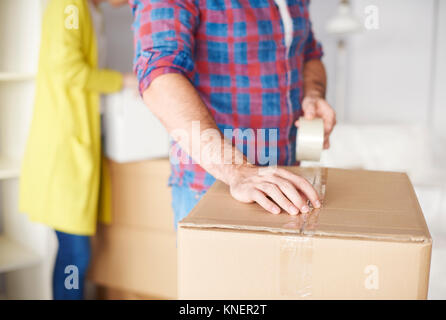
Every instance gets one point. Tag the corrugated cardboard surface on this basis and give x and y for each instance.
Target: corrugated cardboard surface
(369, 241)
(357, 203)
(254, 265)
(140, 194)
(109, 293)
(137, 251)
(137, 260)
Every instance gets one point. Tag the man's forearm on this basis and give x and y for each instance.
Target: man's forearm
(174, 100)
(315, 79)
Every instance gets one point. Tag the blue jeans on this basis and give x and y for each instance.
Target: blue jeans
(184, 200)
(73, 258)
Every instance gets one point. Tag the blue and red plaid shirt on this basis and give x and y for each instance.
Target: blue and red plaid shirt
(234, 53)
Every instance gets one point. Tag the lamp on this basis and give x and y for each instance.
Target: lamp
(344, 22)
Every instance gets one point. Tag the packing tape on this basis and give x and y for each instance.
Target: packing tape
(319, 182)
(311, 219)
(318, 179)
(296, 252)
(296, 257)
(310, 139)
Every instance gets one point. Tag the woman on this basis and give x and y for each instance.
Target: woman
(62, 165)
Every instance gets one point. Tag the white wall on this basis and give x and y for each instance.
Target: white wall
(119, 35)
(321, 11)
(392, 76)
(439, 92)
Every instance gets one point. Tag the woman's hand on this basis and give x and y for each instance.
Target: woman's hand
(130, 81)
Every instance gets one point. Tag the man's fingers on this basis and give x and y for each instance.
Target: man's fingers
(326, 142)
(290, 191)
(264, 202)
(329, 119)
(327, 114)
(303, 197)
(302, 185)
(329, 124)
(277, 196)
(309, 108)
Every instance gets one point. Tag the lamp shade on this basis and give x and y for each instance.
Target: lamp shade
(344, 22)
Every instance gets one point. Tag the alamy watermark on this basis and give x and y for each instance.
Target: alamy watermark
(371, 281)
(72, 279)
(72, 18)
(371, 21)
(207, 146)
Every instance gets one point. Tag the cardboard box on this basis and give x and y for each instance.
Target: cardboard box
(137, 253)
(141, 197)
(138, 260)
(369, 241)
(131, 131)
(109, 293)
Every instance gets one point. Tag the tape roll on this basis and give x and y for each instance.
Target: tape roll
(310, 139)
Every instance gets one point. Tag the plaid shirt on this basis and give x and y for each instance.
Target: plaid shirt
(234, 53)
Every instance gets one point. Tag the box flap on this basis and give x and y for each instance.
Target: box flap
(356, 203)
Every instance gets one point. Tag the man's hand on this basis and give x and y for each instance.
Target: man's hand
(314, 106)
(273, 189)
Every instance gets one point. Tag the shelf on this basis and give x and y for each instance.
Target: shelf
(9, 169)
(14, 256)
(16, 76)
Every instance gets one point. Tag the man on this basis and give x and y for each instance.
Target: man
(232, 64)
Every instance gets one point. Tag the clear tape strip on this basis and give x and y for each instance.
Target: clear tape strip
(296, 278)
(319, 182)
(296, 252)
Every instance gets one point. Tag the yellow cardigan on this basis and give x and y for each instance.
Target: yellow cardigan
(61, 170)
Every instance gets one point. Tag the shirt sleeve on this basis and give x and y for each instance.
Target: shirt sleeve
(164, 38)
(312, 48)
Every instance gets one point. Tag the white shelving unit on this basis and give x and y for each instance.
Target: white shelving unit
(16, 76)
(26, 248)
(9, 169)
(15, 256)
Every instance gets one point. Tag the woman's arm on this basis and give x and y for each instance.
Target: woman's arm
(68, 52)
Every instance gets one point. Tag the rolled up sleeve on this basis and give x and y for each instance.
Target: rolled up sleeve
(164, 38)
(312, 48)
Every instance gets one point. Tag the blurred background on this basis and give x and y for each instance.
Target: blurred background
(386, 67)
